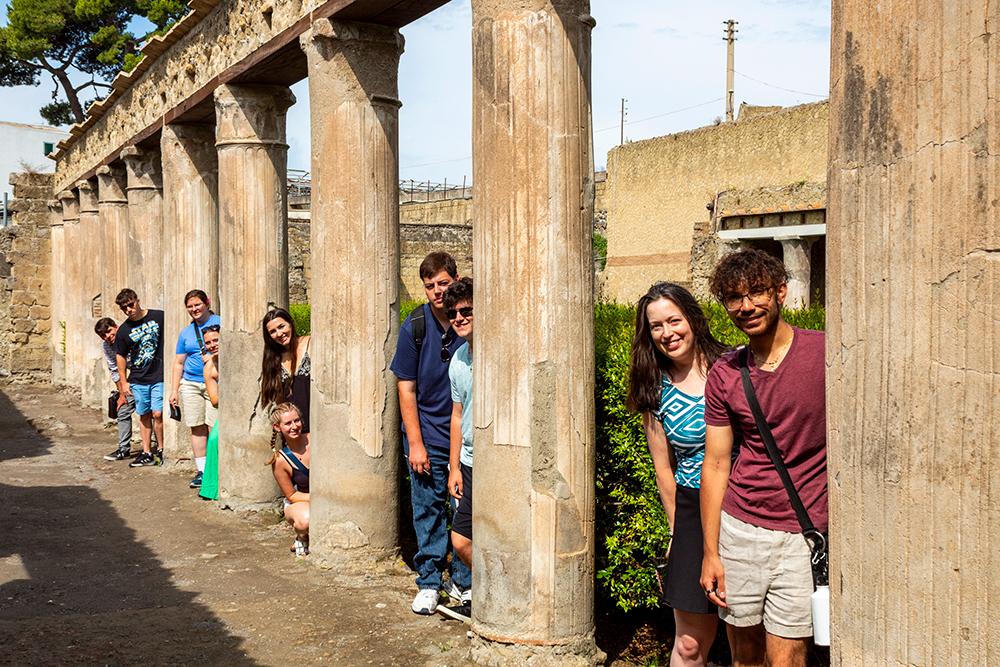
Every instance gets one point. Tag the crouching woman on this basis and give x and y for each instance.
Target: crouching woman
(290, 465)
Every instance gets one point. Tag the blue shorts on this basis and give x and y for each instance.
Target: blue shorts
(148, 398)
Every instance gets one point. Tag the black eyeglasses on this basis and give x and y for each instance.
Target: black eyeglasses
(447, 338)
(758, 296)
(453, 313)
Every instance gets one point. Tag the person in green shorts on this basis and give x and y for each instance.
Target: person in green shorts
(210, 479)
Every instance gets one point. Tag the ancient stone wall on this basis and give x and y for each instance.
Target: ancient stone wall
(659, 190)
(423, 227)
(25, 314)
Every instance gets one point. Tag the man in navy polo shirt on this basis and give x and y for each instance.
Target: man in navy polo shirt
(423, 353)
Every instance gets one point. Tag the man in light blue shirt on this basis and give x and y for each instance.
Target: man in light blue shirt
(458, 308)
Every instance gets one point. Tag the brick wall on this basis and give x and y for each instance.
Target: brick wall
(25, 314)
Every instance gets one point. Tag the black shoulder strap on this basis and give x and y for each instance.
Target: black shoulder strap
(418, 322)
(198, 335)
(418, 325)
(816, 540)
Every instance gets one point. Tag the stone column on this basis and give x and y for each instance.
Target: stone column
(253, 259)
(913, 335)
(798, 262)
(190, 243)
(355, 248)
(57, 292)
(94, 378)
(113, 209)
(144, 191)
(73, 295)
(533, 557)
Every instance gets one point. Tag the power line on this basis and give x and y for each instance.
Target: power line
(661, 115)
(605, 129)
(771, 85)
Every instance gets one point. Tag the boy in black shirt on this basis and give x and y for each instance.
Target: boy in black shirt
(139, 348)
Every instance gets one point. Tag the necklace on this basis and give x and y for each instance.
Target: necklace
(777, 357)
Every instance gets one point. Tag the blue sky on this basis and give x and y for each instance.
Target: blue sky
(663, 56)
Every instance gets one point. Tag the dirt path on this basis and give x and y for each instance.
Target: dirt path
(102, 564)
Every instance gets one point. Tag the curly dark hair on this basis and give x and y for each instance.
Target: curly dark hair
(747, 269)
(648, 363)
(460, 290)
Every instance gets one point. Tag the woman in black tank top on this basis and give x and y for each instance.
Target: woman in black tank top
(290, 464)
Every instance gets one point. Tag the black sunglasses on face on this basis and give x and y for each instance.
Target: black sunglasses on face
(452, 313)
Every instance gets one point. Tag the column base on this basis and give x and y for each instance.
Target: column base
(581, 652)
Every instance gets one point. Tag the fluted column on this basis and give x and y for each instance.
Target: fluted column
(94, 378)
(253, 259)
(113, 210)
(913, 333)
(355, 311)
(190, 243)
(533, 554)
(798, 262)
(73, 296)
(144, 191)
(57, 296)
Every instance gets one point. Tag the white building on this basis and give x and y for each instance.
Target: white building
(22, 148)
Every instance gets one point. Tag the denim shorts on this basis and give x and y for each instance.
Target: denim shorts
(148, 398)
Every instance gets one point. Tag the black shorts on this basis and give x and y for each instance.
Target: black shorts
(461, 523)
(681, 587)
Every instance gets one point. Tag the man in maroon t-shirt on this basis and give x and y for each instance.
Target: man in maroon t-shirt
(756, 565)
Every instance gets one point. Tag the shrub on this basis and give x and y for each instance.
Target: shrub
(631, 527)
(300, 313)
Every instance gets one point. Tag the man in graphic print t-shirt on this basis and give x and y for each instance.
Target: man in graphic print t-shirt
(139, 349)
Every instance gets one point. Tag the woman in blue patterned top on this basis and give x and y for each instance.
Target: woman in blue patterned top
(672, 351)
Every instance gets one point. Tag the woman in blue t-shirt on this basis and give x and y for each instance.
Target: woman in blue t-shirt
(672, 351)
(188, 378)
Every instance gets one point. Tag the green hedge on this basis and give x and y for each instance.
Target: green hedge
(632, 530)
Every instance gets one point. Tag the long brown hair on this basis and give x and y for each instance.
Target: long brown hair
(272, 389)
(648, 363)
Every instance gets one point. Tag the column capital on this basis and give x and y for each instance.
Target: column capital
(142, 167)
(88, 196)
(55, 209)
(70, 205)
(369, 63)
(111, 185)
(251, 114)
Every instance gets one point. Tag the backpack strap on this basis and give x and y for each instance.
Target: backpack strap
(418, 325)
(816, 540)
(293, 460)
(199, 337)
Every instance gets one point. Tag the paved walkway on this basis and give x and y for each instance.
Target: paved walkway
(102, 564)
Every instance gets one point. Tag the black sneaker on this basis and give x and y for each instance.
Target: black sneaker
(459, 612)
(143, 460)
(196, 481)
(157, 457)
(118, 455)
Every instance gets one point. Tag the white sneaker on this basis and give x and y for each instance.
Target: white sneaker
(425, 602)
(455, 594)
(301, 548)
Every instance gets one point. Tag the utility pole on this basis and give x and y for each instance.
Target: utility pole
(621, 125)
(730, 58)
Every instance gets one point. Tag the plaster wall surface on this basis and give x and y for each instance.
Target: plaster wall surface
(913, 336)
(658, 190)
(23, 149)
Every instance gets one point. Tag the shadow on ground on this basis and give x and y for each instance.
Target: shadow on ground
(76, 587)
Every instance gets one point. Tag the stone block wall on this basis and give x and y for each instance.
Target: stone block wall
(25, 306)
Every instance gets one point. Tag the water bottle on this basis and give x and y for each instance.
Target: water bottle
(820, 600)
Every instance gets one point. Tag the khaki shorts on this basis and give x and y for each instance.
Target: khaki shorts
(196, 409)
(768, 578)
